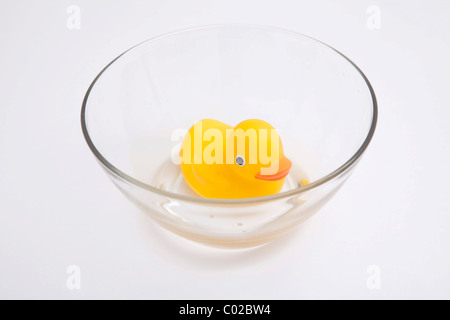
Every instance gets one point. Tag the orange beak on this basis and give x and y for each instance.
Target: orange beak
(283, 170)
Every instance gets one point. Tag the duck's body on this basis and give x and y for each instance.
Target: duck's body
(215, 167)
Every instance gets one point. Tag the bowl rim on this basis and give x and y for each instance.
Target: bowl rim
(243, 201)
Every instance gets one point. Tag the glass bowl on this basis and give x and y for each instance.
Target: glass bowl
(138, 108)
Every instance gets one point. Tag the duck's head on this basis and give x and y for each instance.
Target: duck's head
(258, 152)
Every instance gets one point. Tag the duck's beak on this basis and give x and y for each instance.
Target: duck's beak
(284, 166)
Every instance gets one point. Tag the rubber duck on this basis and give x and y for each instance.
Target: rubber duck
(224, 162)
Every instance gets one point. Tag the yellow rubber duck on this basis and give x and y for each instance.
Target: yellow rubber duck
(222, 162)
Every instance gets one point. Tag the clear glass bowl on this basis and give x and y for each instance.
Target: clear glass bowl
(138, 108)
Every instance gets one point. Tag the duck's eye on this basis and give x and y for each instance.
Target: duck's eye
(240, 161)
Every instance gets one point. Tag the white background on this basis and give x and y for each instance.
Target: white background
(57, 208)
